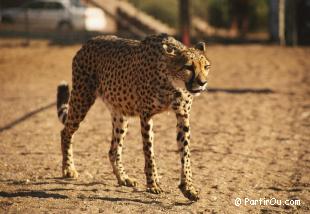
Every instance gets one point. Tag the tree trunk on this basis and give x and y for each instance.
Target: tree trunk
(282, 22)
(184, 21)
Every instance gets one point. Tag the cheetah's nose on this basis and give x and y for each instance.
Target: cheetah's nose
(201, 83)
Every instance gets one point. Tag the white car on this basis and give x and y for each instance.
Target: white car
(56, 14)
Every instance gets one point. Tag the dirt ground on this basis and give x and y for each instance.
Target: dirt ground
(250, 137)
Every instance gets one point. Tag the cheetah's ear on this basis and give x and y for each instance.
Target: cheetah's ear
(201, 46)
(169, 50)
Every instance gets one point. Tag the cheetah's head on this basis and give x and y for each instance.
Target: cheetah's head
(188, 67)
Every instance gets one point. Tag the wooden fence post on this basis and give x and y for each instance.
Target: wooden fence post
(184, 21)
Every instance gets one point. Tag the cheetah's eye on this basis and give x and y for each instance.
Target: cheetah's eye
(207, 66)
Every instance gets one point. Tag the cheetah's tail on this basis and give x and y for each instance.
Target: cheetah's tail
(63, 95)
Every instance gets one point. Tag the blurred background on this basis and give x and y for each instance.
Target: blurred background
(286, 22)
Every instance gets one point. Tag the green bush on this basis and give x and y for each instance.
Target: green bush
(164, 10)
(218, 13)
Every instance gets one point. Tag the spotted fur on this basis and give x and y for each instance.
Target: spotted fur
(134, 78)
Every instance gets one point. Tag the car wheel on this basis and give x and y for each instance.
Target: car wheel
(65, 27)
(7, 19)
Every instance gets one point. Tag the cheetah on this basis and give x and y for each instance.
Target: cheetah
(134, 78)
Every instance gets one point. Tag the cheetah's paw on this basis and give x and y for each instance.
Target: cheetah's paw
(189, 192)
(70, 172)
(155, 189)
(127, 182)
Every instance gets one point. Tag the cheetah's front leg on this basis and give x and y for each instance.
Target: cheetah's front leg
(183, 138)
(120, 126)
(150, 169)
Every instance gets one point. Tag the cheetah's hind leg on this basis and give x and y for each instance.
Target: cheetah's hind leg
(71, 112)
(120, 126)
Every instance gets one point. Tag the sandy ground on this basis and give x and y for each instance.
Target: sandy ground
(250, 137)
